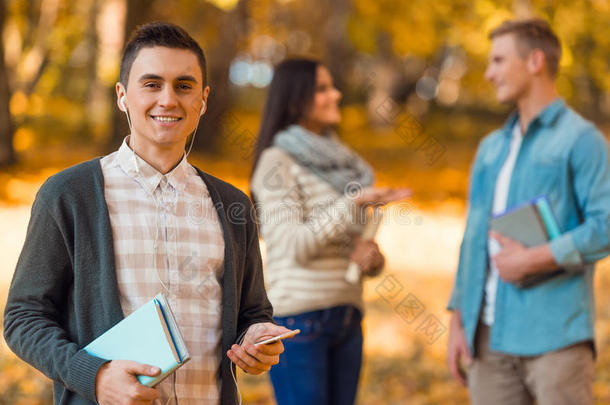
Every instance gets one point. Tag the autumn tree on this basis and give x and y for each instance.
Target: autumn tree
(7, 153)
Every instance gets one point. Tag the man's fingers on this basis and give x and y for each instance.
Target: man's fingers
(453, 360)
(258, 354)
(144, 393)
(455, 373)
(246, 362)
(468, 358)
(461, 376)
(256, 359)
(269, 350)
(244, 356)
(458, 350)
(463, 354)
(502, 240)
(262, 331)
(272, 349)
(276, 330)
(133, 367)
(498, 237)
(250, 364)
(454, 368)
(116, 382)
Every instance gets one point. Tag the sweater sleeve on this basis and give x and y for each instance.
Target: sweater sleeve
(36, 310)
(285, 222)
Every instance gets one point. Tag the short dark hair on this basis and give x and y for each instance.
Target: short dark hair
(158, 34)
(532, 34)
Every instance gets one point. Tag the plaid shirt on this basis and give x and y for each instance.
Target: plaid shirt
(168, 238)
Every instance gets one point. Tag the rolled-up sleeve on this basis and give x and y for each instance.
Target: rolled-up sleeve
(589, 241)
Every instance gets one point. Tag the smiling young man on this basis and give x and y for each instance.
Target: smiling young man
(107, 235)
(531, 344)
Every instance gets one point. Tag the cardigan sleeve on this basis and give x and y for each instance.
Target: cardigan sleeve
(254, 304)
(284, 221)
(36, 311)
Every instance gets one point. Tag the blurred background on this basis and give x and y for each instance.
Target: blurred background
(414, 105)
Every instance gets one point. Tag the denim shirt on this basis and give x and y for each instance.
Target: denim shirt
(565, 158)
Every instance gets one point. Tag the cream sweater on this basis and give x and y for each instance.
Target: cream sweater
(307, 227)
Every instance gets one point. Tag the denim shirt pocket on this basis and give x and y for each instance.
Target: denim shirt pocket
(547, 172)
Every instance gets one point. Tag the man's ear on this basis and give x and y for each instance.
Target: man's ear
(121, 96)
(536, 61)
(206, 93)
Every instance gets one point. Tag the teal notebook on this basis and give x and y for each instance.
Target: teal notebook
(149, 335)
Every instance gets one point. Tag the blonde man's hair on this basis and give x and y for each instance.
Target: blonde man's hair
(533, 34)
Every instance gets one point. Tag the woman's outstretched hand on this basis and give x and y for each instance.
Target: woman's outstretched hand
(382, 195)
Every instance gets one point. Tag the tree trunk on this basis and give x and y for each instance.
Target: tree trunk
(339, 53)
(96, 91)
(136, 14)
(219, 58)
(7, 153)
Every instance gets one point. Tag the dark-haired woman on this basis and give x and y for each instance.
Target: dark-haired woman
(310, 189)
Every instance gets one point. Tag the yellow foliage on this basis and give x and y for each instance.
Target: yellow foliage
(224, 4)
(23, 139)
(108, 69)
(566, 57)
(495, 18)
(19, 103)
(36, 105)
(565, 86)
(602, 6)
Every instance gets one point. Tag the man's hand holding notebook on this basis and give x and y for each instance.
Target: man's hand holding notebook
(117, 381)
(530, 225)
(144, 348)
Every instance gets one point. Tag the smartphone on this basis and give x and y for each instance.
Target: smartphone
(278, 337)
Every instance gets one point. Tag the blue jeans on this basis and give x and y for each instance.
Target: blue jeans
(321, 365)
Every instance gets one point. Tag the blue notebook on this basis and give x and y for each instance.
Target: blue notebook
(149, 335)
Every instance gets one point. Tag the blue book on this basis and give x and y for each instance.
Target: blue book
(150, 335)
(546, 214)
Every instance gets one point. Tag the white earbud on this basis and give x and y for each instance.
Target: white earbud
(123, 104)
(202, 108)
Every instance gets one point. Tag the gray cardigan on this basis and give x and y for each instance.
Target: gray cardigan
(64, 291)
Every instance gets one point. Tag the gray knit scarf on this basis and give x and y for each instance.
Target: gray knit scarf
(326, 157)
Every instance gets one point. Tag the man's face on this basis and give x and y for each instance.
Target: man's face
(507, 70)
(164, 97)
